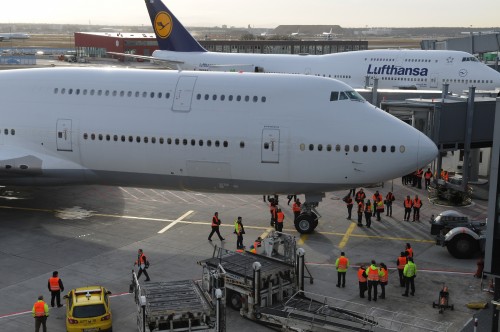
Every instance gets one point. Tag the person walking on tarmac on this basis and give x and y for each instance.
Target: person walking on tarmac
(408, 204)
(143, 263)
(55, 286)
(427, 176)
(368, 213)
(280, 217)
(417, 204)
(408, 250)
(348, 201)
(418, 176)
(272, 209)
(373, 275)
(361, 209)
(401, 262)
(239, 230)
(410, 272)
(360, 195)
(384, 279)
(296, 208)
(378, 204)
(389, 198)
(40, 312)
(215, 227)
(362, 281)
(342, 263)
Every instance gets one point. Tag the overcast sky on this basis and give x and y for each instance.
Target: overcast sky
(262, 13)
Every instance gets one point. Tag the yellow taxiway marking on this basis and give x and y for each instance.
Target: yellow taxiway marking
(346, 236)
(175, 222)
(266, 233)
(224, 225)
(303, 238)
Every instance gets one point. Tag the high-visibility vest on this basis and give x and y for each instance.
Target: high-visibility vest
(368, 208)
(408, 203)
(410, 270)
(385, 276)
(361, 277)
(380, 205)
(376, 198)
(417, 203)
(428, 175)
(237, 228)
(389, 197)
(215, 221)
(373, 273)
(54, 284)
(342, 263)
(280, 217)
(410, 252)
(360, 196)
(361, 207)
(141, 259)
(401, 262)
(39, 309)
(296, 207)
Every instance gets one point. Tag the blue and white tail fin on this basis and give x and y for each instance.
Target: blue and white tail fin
(170, 33)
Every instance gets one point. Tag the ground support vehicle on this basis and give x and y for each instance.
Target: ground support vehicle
(177, 306)
(88, 310)
(463, 237)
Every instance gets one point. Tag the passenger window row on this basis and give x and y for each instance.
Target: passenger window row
(215, 97)
(355, 148)
(396, 78)
(454, 80)
(114, 93)
(160, 140)
(418, 60)
(381, 59)
(7, 131)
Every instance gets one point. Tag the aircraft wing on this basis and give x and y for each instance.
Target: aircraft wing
(172, 63)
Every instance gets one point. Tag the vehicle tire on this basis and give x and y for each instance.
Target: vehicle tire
(462, 246)
(234, 300)
(305, 223)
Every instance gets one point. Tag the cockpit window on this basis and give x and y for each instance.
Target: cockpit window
(334, 96)
(470, 58)
(345, 95)
(353, 95)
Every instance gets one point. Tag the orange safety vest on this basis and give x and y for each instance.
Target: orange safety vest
(360, 196)
(373, 274)
(417, 203)
(141, 260)
(215, 221)
(342, 263)
(39, 309)
(428, 175)
(385, 276)
(296, 207)
(408, 203)
(410, 252)
(361, 277)
(368, 208)
(54, 284)
(281, 217)
(419, 173)
(376, 198)
(361, 207)
(401, 262)
(389, 197)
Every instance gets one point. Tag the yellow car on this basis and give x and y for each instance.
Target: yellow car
(87, 310)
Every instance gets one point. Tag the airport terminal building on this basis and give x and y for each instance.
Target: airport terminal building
(96, 44)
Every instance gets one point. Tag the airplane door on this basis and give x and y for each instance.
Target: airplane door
(434, 81)
(184, 93)
(270, 146)
(64, 135)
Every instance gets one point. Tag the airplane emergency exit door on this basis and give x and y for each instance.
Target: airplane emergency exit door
(63, 133)
(184, 93)
(270, 146)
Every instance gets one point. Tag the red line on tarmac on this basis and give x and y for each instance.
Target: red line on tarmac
(395, 268)
(29, 312)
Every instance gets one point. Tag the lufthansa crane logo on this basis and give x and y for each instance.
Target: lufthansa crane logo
(163, 25)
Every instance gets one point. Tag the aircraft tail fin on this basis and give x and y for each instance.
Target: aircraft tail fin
(170, 33)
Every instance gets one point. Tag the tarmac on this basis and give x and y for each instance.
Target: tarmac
(90, 234)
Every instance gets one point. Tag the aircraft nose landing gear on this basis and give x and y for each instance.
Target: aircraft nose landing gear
(307, 220)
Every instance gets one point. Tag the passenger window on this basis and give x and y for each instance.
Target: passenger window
(329, 147)
(153, 140)
(311, 147)
(302, 147)
(169, 141)
(346, 148)
(225, 144)
(123, 138)
(222, 97)
(383, 148)
(356, 148)
(238, 98)
(337, 148)
(193, 142)
(217, 144)
(138, 139)
(108, 138)
(242, 145)
(365, 148)
(206, 97)
(177, 141)
(214, 97)
(184, 141)
(115, 138)
(146, 139)
(200, 142)
(266, 146)
(209, 143)
(247, 98)
(320, 147)
(161, 140)
(263, 99)
(374, 148)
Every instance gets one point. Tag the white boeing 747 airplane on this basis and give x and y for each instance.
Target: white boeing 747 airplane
(394, 69)
(201, 131)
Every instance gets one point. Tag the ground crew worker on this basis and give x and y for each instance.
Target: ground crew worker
(362, 281)
(239, 230)
(272, 209)
(342, 263)
(55, 286)
(141, 263)
(360, 196)
(418, 175)
(408, 250)
(401, 262)
(348, 201)
(384, 279)
(253, 250)
(378, 204)
(408, 204)
(368, 213)
(373, 275)
(280, 217)
(410, 272)
(389, 198)
(257, 243)
(417, 204)
(296, 208)
(361, 209)
(40, 313)
(215, 227)
(427, 176)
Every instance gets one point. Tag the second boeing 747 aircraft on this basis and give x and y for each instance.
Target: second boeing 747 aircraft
(394, 69)
(202, 131)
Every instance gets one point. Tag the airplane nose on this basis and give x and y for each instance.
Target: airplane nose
(427, 151)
